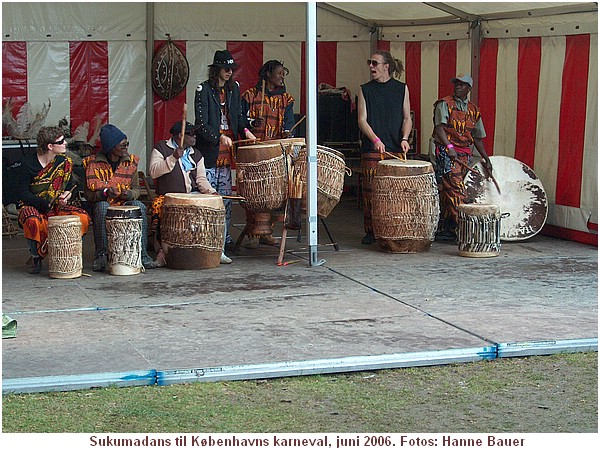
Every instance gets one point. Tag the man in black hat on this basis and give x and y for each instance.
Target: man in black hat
(457, 128)
(220, 122)
(111, 179)
(177, 168)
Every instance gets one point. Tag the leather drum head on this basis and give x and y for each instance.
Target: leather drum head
(521, 195)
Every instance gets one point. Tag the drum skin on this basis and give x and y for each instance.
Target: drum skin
(192, 228)
(405, 206)
(64, 247)
(521, 196)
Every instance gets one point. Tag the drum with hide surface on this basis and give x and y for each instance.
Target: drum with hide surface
(405, 206)
(519, 194)
(64, 247)
(291, 146)
(331, 168)
(124, 234)
(192, 230)
(478, 230)
(262, 179)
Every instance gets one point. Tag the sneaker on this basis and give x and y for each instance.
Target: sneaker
(268, 240)
(148, 262)
(225, 259)
(368, 239)
(251, 242)
(100, 263)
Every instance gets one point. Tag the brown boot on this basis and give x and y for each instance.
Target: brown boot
(268, 240)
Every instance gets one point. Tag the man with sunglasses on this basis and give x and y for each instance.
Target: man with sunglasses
(385, 123)
(177, 168)
(111, 177)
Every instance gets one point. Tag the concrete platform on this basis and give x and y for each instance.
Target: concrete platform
(360, 302)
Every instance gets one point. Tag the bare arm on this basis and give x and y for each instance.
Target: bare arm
(407, 122)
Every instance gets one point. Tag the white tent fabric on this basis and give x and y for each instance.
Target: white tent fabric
(55, 50)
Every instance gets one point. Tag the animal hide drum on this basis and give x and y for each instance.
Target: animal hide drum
(170, 71)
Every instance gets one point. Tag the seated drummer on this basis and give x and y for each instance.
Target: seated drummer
(177, 168)
(111, 179)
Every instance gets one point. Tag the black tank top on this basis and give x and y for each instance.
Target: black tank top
(385, 114)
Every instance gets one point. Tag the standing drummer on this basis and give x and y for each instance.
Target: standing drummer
(177, 168)
(457, 127)
(111, 179)
(270, 111)
(384, 120)
(220, 121)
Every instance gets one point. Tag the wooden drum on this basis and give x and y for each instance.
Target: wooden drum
(64, 247)
(331, 168)
(478, 230)
(405, 206)
(124, 234)
(192, 230)
(261, 176)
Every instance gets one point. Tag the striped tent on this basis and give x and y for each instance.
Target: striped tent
(534, 64)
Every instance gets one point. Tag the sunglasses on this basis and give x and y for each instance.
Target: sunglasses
(61, 142)
(125, 145)
(374, 62)
(190, 133)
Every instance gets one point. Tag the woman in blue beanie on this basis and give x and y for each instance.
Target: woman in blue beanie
(112, 180)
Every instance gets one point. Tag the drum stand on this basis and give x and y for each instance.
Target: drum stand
(245, 232)
(284, 236)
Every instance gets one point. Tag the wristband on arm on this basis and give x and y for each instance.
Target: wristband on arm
(376, 140)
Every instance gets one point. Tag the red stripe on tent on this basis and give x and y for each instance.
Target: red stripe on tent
(326, 68)
(447, 69)
(592, 226)
(487, 89)
(413, 81)
(168, 112)
(570, 235)
(88, 82)
(572, 120)
(384, 45)
(249, 58)
(14, 75)
(528, 80)
(327, 63)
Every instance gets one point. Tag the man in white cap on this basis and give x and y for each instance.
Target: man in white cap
(457, 128)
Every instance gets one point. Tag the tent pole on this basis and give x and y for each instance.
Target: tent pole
(311, 130)
(475, 57)
(149, 91)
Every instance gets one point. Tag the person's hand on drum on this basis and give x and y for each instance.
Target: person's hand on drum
(112, 192)
(226, 141)
(126, 195)
(379, 146)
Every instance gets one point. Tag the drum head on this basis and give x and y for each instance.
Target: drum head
(123, 212)
(521, 195)
(258, 152)
(208, 200)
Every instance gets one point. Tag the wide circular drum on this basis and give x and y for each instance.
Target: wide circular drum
(192, 230)
(478, 230)
(124, 234)
(519, 194)
(262, 176)
(331, 168)
(405, 206)
(64, 247)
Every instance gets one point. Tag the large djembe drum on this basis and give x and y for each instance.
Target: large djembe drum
(64, 247)
(192, 230)
(405, 206)
(331, 169)
(124, 234)
(262, 179)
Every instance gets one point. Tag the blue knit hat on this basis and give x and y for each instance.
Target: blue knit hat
(110, 136)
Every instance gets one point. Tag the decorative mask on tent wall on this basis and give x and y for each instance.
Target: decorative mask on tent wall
(170, 71)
